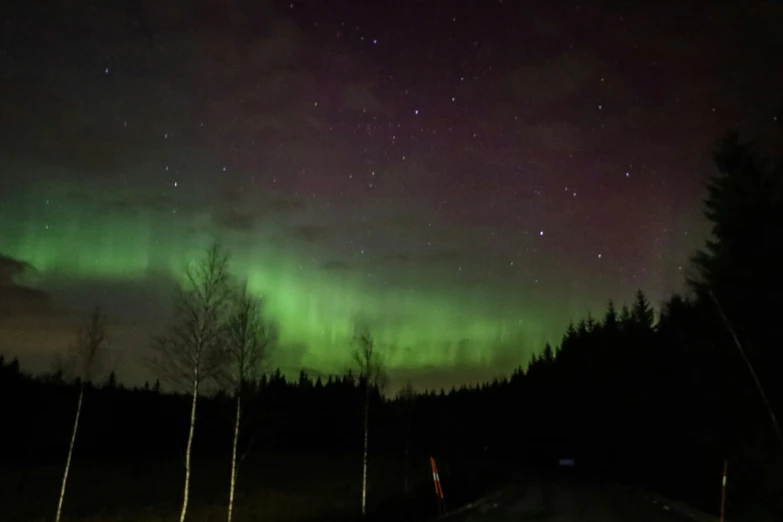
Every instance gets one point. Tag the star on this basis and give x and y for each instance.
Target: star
(468, 187)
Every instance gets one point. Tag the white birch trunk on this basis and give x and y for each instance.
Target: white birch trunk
(70, 452)
(188, 449)
(364, 460)
(234, 461)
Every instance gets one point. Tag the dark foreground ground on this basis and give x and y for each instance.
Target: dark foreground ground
(564, 498)
(272, 487)
(325, 488)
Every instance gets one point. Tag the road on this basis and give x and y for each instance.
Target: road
(559, 499)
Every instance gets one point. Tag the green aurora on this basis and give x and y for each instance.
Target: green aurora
(85, 235)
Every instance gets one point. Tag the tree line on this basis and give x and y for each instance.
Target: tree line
(659, 397)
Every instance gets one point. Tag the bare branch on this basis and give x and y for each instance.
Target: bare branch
(84, 358)
(368, 360)
(189, 352)
(190, 346)
(407, 394)
(247, 340)
(372, 371)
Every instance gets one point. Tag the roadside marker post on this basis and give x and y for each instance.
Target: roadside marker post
(438, 488)
(723, 491)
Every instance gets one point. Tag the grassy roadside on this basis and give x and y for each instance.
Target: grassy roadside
(271, 487)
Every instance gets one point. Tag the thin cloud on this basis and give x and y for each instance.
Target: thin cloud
(284, 205)
(235, 219)
(336, 266)
(17, 299)
(396, 257)
(311, 233)
(440, 256)
(556, 80)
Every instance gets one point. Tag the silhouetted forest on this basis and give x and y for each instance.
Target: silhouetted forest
(650, 396)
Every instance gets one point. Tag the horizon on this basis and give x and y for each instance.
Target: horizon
(465, 201)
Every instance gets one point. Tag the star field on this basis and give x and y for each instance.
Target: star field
(464, 176)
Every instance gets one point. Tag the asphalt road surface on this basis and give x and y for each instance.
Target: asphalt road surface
(558, 499)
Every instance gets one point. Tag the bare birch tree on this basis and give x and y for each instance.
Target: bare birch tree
(372, 373)
(188, 353)
(84, 359)
(247, 338)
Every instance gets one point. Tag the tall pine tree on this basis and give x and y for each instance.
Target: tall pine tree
(642, 314)
(740, 267)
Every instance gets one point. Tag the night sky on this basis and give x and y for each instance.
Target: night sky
(464, 177)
